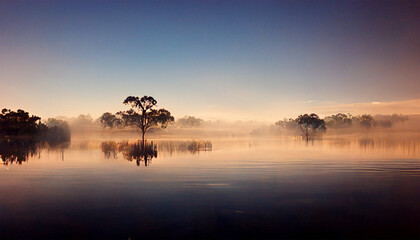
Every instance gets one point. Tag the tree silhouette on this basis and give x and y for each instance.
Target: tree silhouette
(110, 120)
(58, 130)
(365, 120)
(339, 120)
(311, 125)
(288, 125)
(143, 115)
(20, 123)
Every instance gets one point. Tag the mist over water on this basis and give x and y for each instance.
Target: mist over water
(216, 179)
(354, 185)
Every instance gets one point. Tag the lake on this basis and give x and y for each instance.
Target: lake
(339, 187)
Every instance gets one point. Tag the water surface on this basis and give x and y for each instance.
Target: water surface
(342, 187)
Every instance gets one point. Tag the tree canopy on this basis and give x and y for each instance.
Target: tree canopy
(142, 114)
(110, 120)
(288, 125)
(307, 125)
(19, 123)
(58, 130)
(365, 120)
(339, 120)
(311, 125)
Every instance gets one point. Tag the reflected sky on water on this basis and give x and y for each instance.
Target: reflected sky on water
(359, 187)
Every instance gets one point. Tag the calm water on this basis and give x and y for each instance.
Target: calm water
(365, 187)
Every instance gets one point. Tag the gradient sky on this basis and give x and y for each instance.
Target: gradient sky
(249, 60)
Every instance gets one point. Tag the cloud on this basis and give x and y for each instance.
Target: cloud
(402, 107)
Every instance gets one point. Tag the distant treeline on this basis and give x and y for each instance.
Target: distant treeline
(108, 120)
(21, 124)
(189, 122)
(343, 121)
(309, 126)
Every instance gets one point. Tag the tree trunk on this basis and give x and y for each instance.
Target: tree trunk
(142, 138)
(143, 146)
(307, 135)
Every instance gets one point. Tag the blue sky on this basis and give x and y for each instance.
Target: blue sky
(248, 60)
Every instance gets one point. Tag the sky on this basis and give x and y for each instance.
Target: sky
(233, 60)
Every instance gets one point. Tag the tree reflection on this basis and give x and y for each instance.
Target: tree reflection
(145, 153)
(407, 145)
(109, 149)
(185, 146)
(138, 151)
(17, 151)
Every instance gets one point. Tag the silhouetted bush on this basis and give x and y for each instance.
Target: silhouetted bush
(21, 124)
(58, 130)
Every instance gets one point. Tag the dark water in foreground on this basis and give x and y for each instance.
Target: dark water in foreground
(272, 188)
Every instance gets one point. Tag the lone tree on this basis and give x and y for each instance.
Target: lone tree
(311, 125)
(143, 115)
